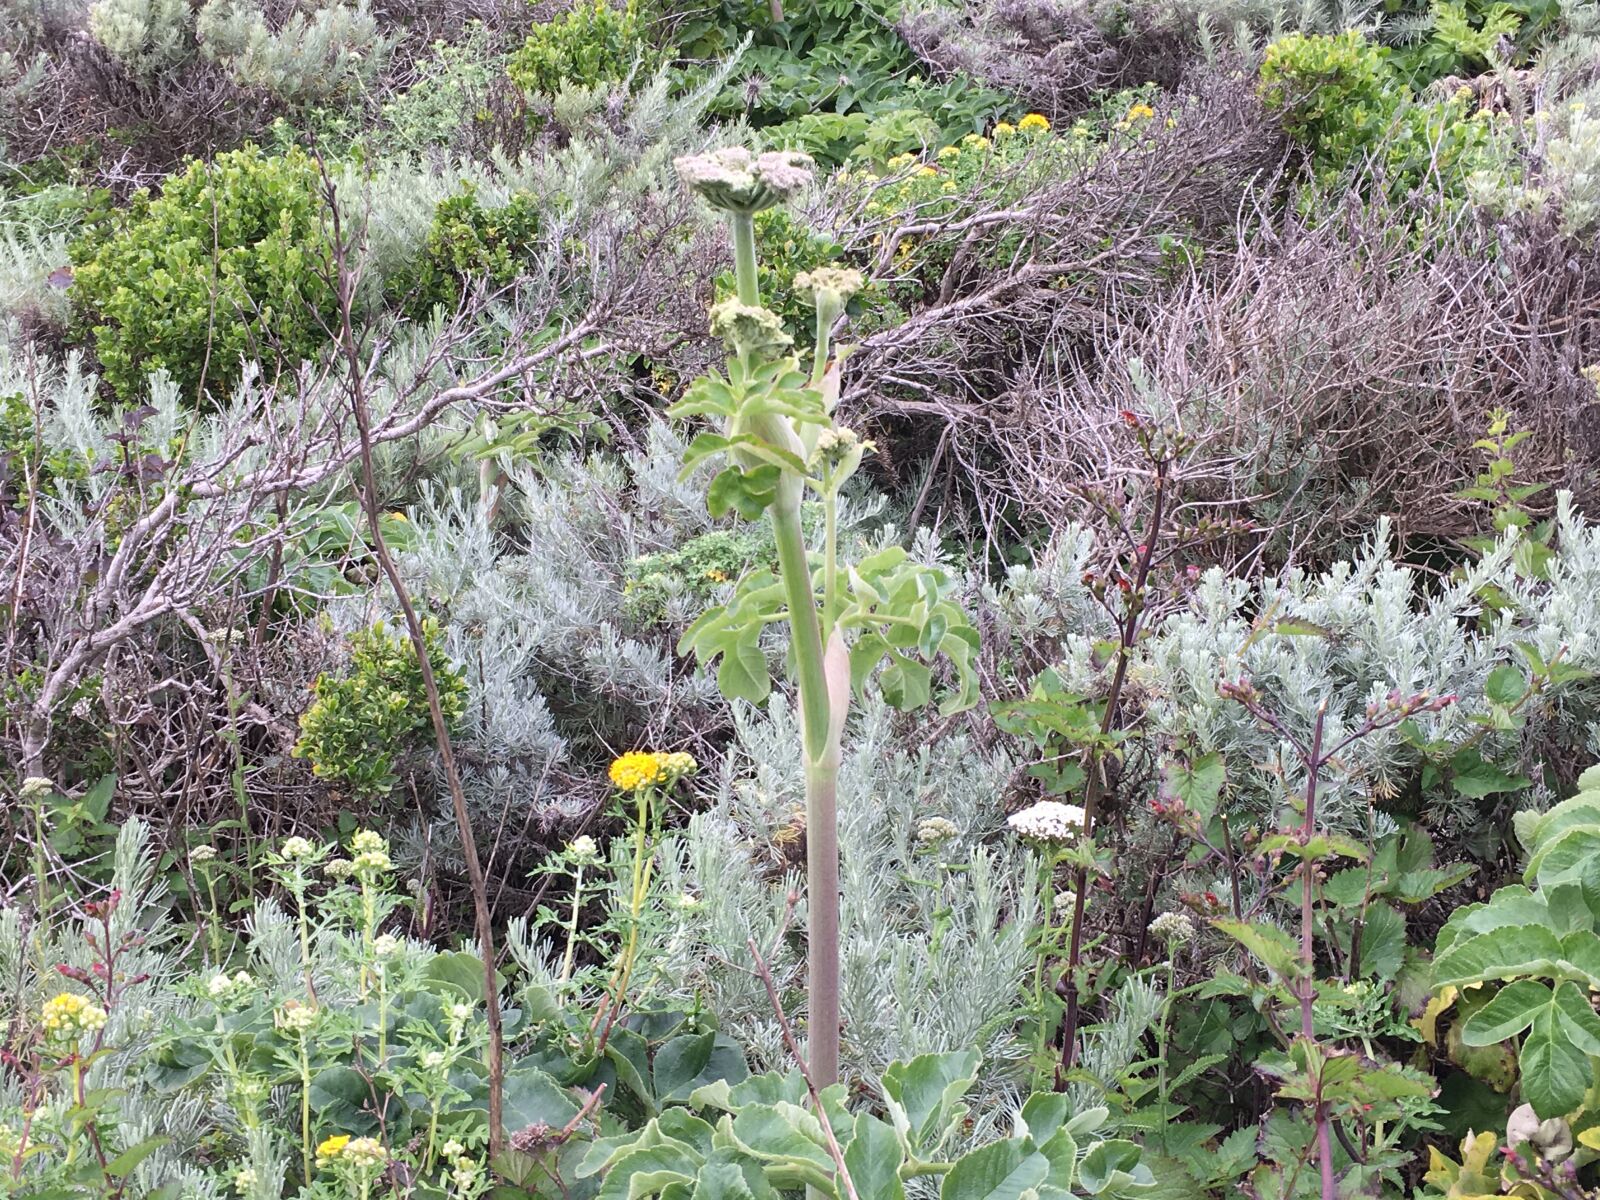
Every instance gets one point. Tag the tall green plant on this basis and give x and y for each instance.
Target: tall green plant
(779, 442)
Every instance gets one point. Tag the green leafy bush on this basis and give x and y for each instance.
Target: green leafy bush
(229, 262)
(363, 721)
(1541, 940)
(694, 571)
(469, 245)
(594, 43)
(831, 60)
(1347, 103)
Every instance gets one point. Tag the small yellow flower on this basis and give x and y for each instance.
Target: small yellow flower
(634, 770)
(331, 1148)
(948, 186)
(67, 1017)
(976, 141)
(900, 162)
(1004, 129)
(1034, 123)
(928, 172)
(1139, 112)
(950, 152)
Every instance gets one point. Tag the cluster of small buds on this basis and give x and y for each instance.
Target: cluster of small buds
(829, 289)
(737, 181)
(933, 830)
(749, 330)
(369, 855)
(364, 1153)
(339, 868)
(433, 1060)
(1103, 584)
(35, 788)
(69, 1017)
(386, 945)
(296, 849)
(1048, 821)
(582, 849)
(1395, 705)
(245, 1180)
(229, 989)
(839, 449)
(457, 1017)
(296, 1018)
(1173, 928)
(201, 855)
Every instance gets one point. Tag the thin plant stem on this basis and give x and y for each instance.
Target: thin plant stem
(345, 289)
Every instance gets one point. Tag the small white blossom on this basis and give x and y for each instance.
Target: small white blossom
(386, 945)
(936, 829)
(36, 787)
(202, 854)
(296, 848)
(1048, 821)
(583, 848)
(1176, 929)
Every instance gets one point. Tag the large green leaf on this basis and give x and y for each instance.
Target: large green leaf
(924, 1096)
(1505, 952)
(1555, 1072)
(1008, 1170)
(692, 1060)
(873, 1156)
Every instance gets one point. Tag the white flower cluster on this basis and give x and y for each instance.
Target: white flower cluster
(936, 829)
(224, 988)
(369, 855)
(737, 181)
(296, 1018)
(1048, 821)
(296, 849)
(36, 787)
(1175, 929)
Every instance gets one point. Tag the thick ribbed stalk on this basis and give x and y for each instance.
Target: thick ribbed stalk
(820, 738)
(744, 257)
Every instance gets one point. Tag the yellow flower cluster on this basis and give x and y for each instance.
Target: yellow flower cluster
(1034, 123)
(67, 1017)
(330, 1148)
(643, 768)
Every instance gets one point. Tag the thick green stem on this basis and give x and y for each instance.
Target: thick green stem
(804, 625)
(821, 744)
(744, 257)
(822, 920)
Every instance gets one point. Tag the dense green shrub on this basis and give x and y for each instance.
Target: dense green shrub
(694, 571)
(229, 262)
(470, 245)
(363, 721)
(830, 60)
(1346, 102)
(594, 43)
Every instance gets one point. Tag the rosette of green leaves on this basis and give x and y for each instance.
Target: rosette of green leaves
(756, 1139)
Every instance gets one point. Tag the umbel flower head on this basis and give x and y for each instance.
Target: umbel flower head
(749, 329)
(1048, 821)
(68, 1017)
(1175, 929)
(737, 181)
(829, 288)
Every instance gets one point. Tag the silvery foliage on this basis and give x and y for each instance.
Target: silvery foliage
(933, 937)
(1349, 636)
(28, 957)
